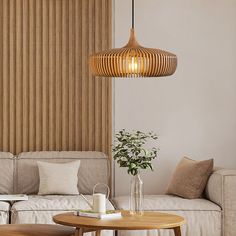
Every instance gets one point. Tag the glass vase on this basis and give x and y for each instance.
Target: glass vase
(136, 195)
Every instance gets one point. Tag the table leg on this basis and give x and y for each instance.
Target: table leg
(98, 232)
(79, 232)
(177, 231)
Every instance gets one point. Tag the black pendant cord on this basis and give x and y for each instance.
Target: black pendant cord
(132, 14)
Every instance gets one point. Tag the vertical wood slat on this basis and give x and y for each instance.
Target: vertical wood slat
(49, 99)
(31, 71)
(18, 77)
(109, 86)
(25, 76)
(1, 64)
(12, 78)
(78, 82)
(5, 77)
(104, 121)
(38, 74)
(65, 104)
(45, 68)
(57, 79)
(90, 77)
(71, 75)
(98, 89)
(84, 79)
(51, 74)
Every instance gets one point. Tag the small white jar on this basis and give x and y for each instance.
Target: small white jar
(99, 203)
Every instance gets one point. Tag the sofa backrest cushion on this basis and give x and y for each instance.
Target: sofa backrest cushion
(6, 173)
(94, 168)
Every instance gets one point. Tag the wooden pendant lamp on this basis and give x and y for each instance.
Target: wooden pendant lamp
(133, 60)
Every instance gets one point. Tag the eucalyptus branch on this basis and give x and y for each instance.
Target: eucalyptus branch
(129, 150)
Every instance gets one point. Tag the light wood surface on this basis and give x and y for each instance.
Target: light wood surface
(98, 232)
(149, 220)
(48, 98)
(177, 231)
(35, 230)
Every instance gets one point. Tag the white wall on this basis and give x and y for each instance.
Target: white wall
(193, 111)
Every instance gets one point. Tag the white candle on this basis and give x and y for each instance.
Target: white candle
(99, 203)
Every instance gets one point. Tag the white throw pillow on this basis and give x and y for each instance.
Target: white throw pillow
(58, 178)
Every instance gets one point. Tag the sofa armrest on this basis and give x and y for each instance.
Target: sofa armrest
(221, 189)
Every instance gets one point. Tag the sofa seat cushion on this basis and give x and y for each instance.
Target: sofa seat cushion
(4, 206)
(168, 203)
(202, 216)
(41, 209)
(4, 212)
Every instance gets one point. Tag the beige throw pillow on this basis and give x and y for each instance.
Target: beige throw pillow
(190, 178)
(58, 178)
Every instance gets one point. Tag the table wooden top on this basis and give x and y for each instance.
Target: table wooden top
(35, 230)
(149, 220)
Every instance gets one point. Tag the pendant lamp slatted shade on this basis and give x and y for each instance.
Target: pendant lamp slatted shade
(133, 60)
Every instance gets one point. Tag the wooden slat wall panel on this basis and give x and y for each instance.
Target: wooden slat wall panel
(48, 98)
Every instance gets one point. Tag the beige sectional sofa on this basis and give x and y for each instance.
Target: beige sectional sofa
(20, 175)
(213, 215)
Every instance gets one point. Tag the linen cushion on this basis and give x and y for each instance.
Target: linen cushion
(58, 178)
(190, 178)
(168, 203)
(4, 212)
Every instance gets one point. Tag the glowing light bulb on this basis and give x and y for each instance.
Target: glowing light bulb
(133, 65)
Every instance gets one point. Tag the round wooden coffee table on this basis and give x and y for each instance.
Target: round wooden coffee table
(35, 230)
(147, 221)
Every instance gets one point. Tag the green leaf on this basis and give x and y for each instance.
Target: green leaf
(129, 150)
